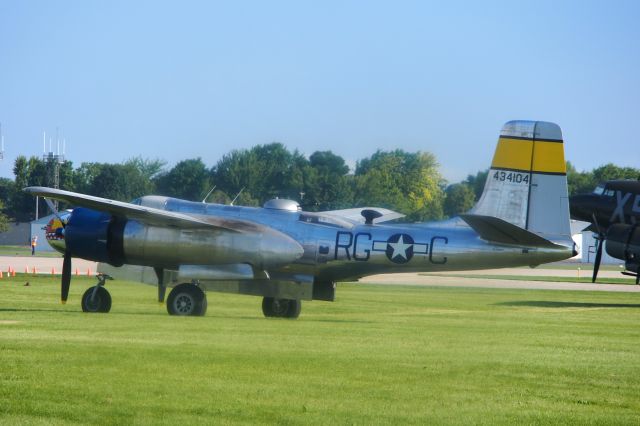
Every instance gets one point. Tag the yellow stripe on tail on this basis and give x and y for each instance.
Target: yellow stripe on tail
(529, 155)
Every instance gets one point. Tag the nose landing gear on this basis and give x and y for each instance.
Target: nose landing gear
(97, 298)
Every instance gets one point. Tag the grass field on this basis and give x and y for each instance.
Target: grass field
(378, 355)
(544, 278)
(25, 251)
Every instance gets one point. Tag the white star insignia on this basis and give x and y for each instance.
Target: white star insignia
(399, 248)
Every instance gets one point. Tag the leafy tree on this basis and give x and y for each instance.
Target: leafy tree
(122, 182)
(409, 183)
(4, 220)
(245, 199)
(264, 171)
(477, 182)
(84, 176)
(21, 204)
(147, 168)
(189, 180)
(583, 182)
(327, 185)
(460, 197)
(579, 182)
(611, 171)
(6, 189)
(218, 197)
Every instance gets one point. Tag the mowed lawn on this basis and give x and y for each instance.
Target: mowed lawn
(378, 355)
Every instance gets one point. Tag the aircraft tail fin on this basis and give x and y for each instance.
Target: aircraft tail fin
(527, 182)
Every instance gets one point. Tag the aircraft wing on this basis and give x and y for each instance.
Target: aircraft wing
(355, 215)
(497, 230)
(148, 215)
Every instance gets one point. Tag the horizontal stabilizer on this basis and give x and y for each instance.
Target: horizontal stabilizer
(497, 230)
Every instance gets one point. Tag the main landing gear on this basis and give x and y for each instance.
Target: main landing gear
(97, 298)
(281, 308)
(187, 300)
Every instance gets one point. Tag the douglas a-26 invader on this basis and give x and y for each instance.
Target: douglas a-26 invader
(286, 255)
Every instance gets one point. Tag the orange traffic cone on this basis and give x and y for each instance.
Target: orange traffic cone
(89, 272)
(53, 270)
(34, 270)
(26, 269)
(13, 272)
(1, 275)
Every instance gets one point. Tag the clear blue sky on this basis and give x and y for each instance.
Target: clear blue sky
(177, 80)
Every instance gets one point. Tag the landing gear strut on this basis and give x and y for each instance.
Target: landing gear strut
(281, 308)
(187, 300)
(97, 298)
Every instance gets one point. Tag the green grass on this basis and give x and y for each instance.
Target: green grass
(26, 251)
(378, 355)
(582, 279)
(583, 266)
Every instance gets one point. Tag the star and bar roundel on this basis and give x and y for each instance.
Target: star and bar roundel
(400, 248)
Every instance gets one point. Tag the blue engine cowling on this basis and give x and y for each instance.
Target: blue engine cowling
(96, 236)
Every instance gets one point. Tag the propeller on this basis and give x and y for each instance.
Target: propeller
(66, 277)
(599, 243)
(65, 282)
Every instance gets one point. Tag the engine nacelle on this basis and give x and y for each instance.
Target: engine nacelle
(623, 242)
(95, 236)
(101, 237)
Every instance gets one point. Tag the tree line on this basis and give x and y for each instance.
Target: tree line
(407, 182)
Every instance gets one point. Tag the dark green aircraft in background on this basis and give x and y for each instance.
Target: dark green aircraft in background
(613, 209)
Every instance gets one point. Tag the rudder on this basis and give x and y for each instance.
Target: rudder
(527, 181)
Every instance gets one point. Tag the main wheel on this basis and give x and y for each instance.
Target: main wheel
(187, 300)
(101, 302)
(281, 308)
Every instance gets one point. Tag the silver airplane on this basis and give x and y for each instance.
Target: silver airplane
(287, 255)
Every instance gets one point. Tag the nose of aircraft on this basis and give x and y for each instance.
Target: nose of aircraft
(583, 206)
(54, 231)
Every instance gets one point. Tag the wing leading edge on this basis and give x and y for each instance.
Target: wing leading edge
(144, 214)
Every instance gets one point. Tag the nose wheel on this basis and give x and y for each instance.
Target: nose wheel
(97, 298)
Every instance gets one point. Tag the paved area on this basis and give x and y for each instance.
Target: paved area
(449, 281)
(47, 265)
(44, 265)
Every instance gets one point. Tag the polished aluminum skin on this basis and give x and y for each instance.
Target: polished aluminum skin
(281, 251)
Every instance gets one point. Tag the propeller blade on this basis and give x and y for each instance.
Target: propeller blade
(66, 277)
(596, 264)
(53, 209)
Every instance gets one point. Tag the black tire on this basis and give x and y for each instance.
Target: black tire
(295, 306)
(187, 300)
(100, 303)
(281, 308)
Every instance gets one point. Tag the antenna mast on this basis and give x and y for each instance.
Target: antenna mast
(53, 161)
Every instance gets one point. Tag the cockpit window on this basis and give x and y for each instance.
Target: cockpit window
(609, 192)
(137, 201)
(599, 190)
(324, 220)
